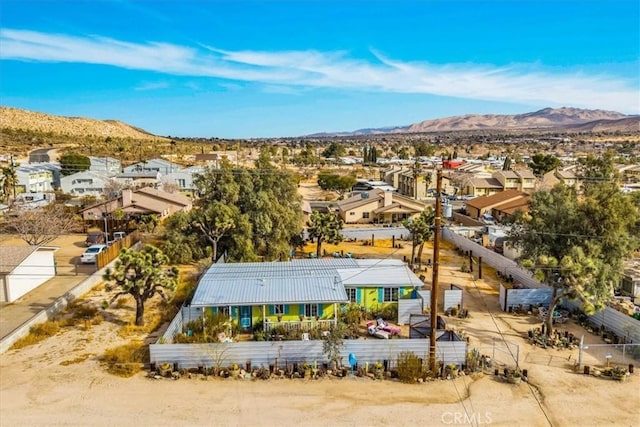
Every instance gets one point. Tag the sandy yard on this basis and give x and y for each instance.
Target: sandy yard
(60, 381)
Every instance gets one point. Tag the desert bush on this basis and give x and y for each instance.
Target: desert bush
(410, 367)
(152, 321)
(38, 333)
(389, 312)
(126, 360)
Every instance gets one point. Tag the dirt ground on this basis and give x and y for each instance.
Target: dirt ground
(60, 381)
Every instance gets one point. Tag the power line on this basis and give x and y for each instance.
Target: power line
(509, 348)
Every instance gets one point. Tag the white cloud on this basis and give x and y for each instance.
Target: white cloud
(144, 86)
(517, 83)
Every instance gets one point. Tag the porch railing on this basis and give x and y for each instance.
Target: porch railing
(302, 325)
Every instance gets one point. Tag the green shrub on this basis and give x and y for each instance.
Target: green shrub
(410, 367)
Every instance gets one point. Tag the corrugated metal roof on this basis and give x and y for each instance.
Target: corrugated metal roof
(379, 276)
(297, 281)
(274, 290)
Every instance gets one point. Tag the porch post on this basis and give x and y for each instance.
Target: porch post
(335, 314)
(264, 319)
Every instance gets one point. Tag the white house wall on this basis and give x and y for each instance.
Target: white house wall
(36, 269)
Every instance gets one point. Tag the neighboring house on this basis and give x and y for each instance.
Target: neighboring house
(164, 167)
(138, 179)
(184, 178)
(34, 179)
(142, 201)
(407, 183)
(630, 173)
(527, 180)
(33, 200)
(301, 290)
(370, 184)
(522, 180)
(105, 166)
(630, 283)
(557, 176)
(42, 155)
(215, 158)
(481, 186)
(508, 179)
(86, 183)
(391, 175)
(377, 206)
(503, 204)
(24, 268)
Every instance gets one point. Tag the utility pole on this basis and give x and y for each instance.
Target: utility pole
(434, 281)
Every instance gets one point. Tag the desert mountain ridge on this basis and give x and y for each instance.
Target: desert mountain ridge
(18, 119)
(565, 118)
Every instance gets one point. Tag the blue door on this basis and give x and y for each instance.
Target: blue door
(245, 318)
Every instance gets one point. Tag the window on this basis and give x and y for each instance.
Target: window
(223, 310)
(311, 310)
(351, 293)
(365, 215)
(278, 309)
(352, 213)
(390, 295)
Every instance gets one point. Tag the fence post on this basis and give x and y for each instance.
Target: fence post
(580, 352)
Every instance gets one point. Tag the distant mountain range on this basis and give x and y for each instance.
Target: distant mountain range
(552, 119)
(565, 118)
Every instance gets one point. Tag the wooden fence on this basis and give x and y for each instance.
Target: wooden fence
(112, 251)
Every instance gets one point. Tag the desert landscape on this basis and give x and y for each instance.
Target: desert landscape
(62, 381)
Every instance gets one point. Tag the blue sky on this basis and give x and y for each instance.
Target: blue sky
(240, 69)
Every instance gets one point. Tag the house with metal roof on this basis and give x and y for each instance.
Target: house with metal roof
(24, 268)
(301, 293)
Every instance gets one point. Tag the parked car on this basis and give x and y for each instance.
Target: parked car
(95, 238)
(89, 255)
(118, 235)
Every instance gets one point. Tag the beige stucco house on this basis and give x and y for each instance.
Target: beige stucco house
(377, 206)
(141, 201)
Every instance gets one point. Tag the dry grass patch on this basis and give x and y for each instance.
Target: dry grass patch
(126, 360)
(38, 333)
(78, 359)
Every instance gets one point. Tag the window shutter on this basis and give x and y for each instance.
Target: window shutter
(321, 308)
(286, 309)
(214, 310)
(301, 309)
(359, 295)
(380, 295)
(234, 312)
(271, 310)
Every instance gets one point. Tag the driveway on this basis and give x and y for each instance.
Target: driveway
(69, 274)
